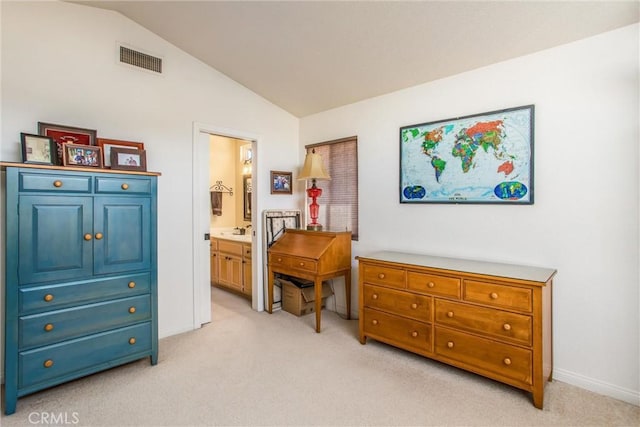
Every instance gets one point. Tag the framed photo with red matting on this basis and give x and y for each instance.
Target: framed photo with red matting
(63, 134)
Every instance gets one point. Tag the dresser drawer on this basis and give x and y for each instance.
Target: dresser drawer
(52, 182)
(385, 276)
(496, 295)
(405, 304)
(434, 284)
(399, 331)
(124, 185)
(51, 297)
(59, 325)
(228, 247)
(86, 353)
(246, 251)
(480, 353)
(296, 263)
(504, 325)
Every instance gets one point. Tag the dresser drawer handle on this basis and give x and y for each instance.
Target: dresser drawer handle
(449, 314)
(48, 363)
(279, 259)
(132, 340)
(132, 284)
(132, 310)
(125, 186)
(57, 184)
(374, 296)
(506, 327)
(88, 237)
(414, 306)
(302, 264)
(450, 344)
(431, 284)
(507, 361)
(414, 334)
(99, 236)
(381, 276)
(493, 295)
(48, 327)
(48, 298)
(374, 321)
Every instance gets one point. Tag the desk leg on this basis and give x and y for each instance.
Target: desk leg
(347, 289)
(270, 292)
(318, 287)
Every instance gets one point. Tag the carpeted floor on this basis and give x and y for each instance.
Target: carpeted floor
(255, 369)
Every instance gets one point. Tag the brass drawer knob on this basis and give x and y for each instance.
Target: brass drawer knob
(99, 236)
(414, 306)
(506, 327)
(381, 276)
(374, 321)
(48, 363)
(125, 186)
(279, 259)
(414, 334)
(48, 298)
(507, 361)
(431, 284)
(132, 310)
(493, 295)
(57, 184)
(132, 284)
(88, 237)
(449, 314)
(48, 327)
(450, 344)
(302, 264)
(374, 296)
(132, 340)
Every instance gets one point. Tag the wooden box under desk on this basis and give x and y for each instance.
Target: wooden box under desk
(312, 255)
(488, 318)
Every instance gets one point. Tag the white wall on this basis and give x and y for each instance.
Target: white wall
(584, 221)
(59, 66)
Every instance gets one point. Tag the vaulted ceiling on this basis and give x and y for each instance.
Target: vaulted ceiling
(310, 56)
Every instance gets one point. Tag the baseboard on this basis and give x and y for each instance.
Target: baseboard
(596, 386)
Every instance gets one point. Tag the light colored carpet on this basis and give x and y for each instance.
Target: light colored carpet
(255, 369)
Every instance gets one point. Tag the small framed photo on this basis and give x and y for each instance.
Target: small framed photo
(82, 155)
(108, 144)
(63, 134)
(39, 149)
(128, 159)
(281, 182)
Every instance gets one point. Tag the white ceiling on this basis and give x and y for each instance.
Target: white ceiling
(311, 56)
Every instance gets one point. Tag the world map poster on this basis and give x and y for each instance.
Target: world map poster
(483, 158)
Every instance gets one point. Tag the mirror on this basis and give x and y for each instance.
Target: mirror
(246, 187)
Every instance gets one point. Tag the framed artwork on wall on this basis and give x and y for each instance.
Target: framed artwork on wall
(481, 158)
(281, 182)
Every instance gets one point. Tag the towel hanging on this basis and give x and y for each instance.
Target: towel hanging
(216, 203)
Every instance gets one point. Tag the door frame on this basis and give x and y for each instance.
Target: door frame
(202, 288)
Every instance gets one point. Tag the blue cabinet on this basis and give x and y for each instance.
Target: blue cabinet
(81, 274)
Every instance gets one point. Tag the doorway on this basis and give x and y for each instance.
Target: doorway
(202, 134)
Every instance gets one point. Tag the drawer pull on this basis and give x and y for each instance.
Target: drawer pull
(507, 361)
(99, 236)
(431, 284)
(493, 295)
(414, 334)
(374, 321)
(48, 298)
(302, 264)
(88, 237)
(48, 363)
(132, 310)
(450, 344)
(506, 327)
(125, 186)
(132, 340)
(132, 284)
(279, 259)
(57, 184)
(414, 306)
(374, 296)
(48, 327)
(381, 276)
(449, 314)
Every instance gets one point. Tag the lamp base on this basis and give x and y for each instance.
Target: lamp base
(314, 227)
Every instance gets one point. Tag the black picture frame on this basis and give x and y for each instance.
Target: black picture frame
(38, 149)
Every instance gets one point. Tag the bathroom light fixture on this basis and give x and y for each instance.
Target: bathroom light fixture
(313, 169)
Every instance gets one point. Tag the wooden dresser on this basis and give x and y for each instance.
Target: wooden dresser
(491, 319)
(312, 255)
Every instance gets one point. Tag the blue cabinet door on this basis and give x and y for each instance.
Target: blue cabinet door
(122, 228)
(52, 234)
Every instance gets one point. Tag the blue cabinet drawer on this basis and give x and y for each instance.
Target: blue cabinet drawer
(124, 185)
(53, 297)
(59, 325)
(70, 359)
(54, 182)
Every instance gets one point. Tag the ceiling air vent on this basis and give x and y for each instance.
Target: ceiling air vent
(141, 60)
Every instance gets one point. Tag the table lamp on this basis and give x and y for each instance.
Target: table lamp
(313, 169)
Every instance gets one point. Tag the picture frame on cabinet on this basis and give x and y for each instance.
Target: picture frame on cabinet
(107, 144)
(130, 159)
(38, 149)
(79, 155)
(281, 182)
(63, 134)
